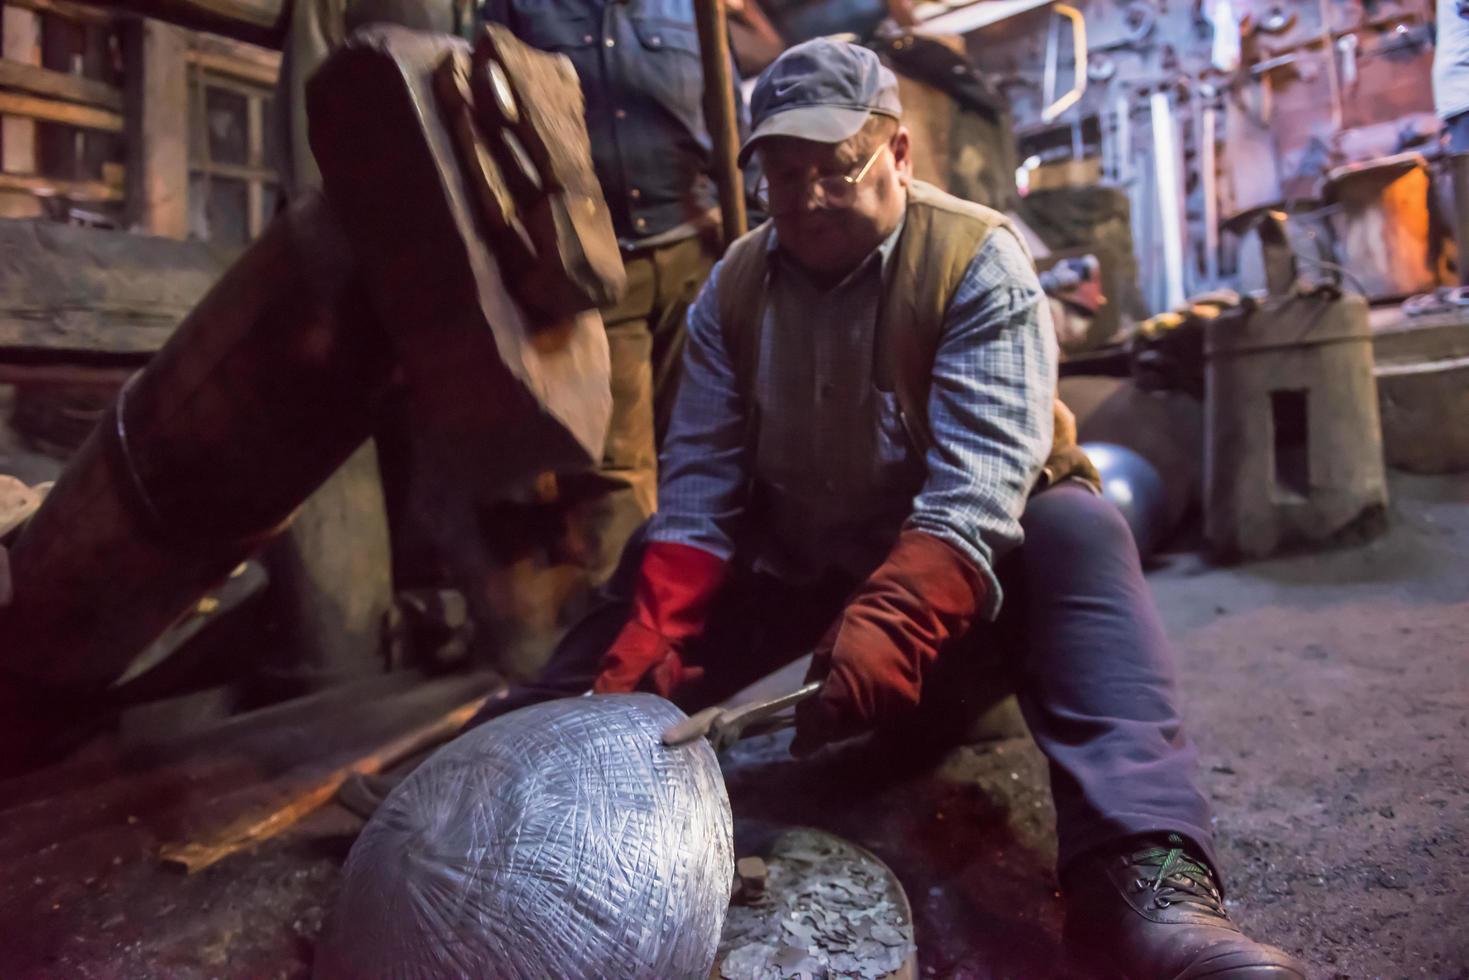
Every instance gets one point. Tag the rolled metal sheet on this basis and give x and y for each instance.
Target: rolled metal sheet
(560, 840)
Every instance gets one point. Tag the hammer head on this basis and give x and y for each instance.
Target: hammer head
(484, 239)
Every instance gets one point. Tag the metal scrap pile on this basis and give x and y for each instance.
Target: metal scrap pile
(828, 910)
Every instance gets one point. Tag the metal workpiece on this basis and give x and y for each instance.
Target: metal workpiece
(560, 840)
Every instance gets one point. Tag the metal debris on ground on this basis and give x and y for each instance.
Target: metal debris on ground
(828, 911)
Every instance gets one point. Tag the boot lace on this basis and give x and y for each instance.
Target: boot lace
(1176, 878)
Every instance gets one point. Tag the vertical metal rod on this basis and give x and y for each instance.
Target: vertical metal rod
(1209, 175)
(719, 113)
(1124, 139)
(1169, 190)
(1333, 77)
(1459, 175)
(1053, 56)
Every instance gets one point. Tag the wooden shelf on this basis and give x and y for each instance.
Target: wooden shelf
(66, 113)
(96, 14)
(59, 85)
(91, 191)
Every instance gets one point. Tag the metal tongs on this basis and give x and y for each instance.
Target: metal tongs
(726, 726)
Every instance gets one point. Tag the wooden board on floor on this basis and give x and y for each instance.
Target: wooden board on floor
(66, 289)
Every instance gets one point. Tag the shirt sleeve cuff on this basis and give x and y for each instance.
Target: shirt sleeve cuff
(993, 597)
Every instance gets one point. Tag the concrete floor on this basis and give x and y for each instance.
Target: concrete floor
(1330, 698)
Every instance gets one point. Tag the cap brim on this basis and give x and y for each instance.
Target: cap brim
(818, 123)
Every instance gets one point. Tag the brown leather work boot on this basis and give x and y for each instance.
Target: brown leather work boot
(1151, 912)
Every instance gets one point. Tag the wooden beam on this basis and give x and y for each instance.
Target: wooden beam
(21, 43)
(65, 8)
(59, 85)
(237, 59)
(66, 290)
(66, 113)
(239, 171)
(158, 114)
(242, 70)
(306, 789)
(260, 22)
(93, 191)
(69, 375)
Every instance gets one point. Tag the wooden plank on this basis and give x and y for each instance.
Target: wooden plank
(91, 191)
(91, 290)
(66, 113)
(223, 66)
(21, 33)
(307, 789)
(118, 759)
(158, 114)
(260, 22)
(248, 62)
(60, 85)
(69, 375)
(106, 331)
(235, 171)
(65, 8)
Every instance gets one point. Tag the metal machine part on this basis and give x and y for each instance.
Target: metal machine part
(560, 840)
(280, 371)
(1056, 105)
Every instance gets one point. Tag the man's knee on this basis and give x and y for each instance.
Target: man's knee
(1069, 521)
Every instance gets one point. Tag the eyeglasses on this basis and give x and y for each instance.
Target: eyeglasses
(836, 190)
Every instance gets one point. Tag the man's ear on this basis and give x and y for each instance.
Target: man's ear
(902, 155)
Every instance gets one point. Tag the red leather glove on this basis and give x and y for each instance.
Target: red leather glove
(676, 586)
(875, 655)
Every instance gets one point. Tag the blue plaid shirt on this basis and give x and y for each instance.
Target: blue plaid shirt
(832, 476)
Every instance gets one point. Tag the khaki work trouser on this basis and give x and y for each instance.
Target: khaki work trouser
(552, 553)
(645, 338)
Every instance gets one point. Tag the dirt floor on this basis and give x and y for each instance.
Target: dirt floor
(1329, 694)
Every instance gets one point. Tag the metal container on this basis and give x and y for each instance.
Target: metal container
(1293, 441)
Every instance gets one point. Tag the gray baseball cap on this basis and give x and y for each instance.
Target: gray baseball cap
(820, 90)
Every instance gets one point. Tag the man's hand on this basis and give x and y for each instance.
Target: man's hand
(676, 585)
(642, 659)
(876, 654)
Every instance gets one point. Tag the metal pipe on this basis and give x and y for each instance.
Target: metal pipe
(1209, 175)
(1168, 188)
(1078, 58)
(719, 113)
(1333, 79)
(1124, 139)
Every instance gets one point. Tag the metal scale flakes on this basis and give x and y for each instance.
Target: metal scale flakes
(828, 910)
